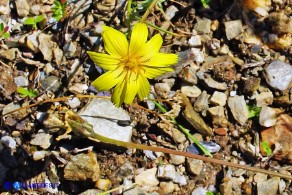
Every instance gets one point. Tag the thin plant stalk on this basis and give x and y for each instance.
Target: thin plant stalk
(147, 12)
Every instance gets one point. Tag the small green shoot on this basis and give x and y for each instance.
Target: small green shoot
(59, 9)
(34, 20)
(253, 111)
(211, 193)
(266, 148)
(26, 92)
(205, 2)
(143, 5)
(4, 34)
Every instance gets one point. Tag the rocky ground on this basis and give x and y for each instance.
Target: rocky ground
(234, 68)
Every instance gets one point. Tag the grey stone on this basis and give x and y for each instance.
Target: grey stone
(278, 75)
(203, 26)
(51, 83)
(268, 187)
(218, 98)
(166, 172)
(21, 81)
(230, 186)
(8, 141)
(103, 116)
(82, 167)
(238, 108)
(177, 159)
(170, 12)
(135, 191)
(191, 91)
(233, 29)
(198, 55)
(9, 54)
(188, 74)
(194, 166)
(268, 117)
(22, 8)
(147, 177)
(32, 41)
(46, 46)
(42, 139)
(201, 103)
(195, 41)
(69, 49)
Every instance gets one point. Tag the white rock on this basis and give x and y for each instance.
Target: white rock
(268, 117)
(238, 108)
(4, 8)
(195, 41)
(177, 159)
(199, 191)
(170, 12)
(105, 119)
(10, 107)
(74, 102)
(22, 8)
(32, 42)
(194, 166)
(264, 98)
(21, 81)
(162, 89)
(39, 155)
(147, 178)
(150, 154)
(78, 88)
(199, 55)
(166, 172)
(191, 91)
(9, 142)
(268, 187)
(278, 75)
(233, 28)
(218, 98)
(42, 139)
(167, 187)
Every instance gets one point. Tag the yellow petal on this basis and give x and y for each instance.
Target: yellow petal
(138, 37)
(144, 87)
(105, 61)
(108, 80)
(162, 60)
(132, 87)
(151, 72)
(119, 93)
(115, 42)
(151, 48)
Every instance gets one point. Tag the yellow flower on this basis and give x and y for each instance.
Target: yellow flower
(129, 65)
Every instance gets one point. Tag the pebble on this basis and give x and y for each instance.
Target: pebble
(42, 139)
(170, 12)
(238, 108)
(10, 107)
(39, 155)
(9, 54)
(82, 167)
(51, 83)
(8, 141)
(103, 184)
(78, 88)
(105, 121)
(147, 177)
(177, 159)
(203, 26)
(201, 103)
(278, 75)
(194, 166)
(4, 9)
(268, 117)
(199, 191)
(46, 46)
(260, 177)
(195, 41)
(69, 49)
(162, 89)
(74, 102)
(191, 91)
(218, 98)
(166, 172)
(211, 146)
(210, 82)
(188, 74)
(134, 191)
(150, 104)
(32, 42)
(218, 116)
(21, 81)
(233, 29)
(167, 187)
(230, 186)
(22, 8)
(150, 154)
(198, 55)
(264, 98)
(268, 187)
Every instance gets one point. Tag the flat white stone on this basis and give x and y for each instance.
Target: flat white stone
(268, 117)
(238, 108)
(218, 98)
(103, 116)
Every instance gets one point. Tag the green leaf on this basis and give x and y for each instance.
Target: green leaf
(29, 21)
(1, 27)
(26, 92)
(253, 111)
(5, 35)
(209, 193)
(39, 18)
(266, 148)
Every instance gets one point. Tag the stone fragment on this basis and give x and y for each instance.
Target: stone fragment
(74, 102)
(268, 116)
(230, 186)
(194, 166)
(21, 81)
(195, 41)
(199, 191)
(177, 159)
(264, 98)
(22, 8)
(8, 141)
(166, 172)
(82, 167)
(32, 42)
(147, 178)
(233, 29)
(260, 177)
(46, 46)
(268, 187)
(105, 120)
(188, 74)
(9, 54)
(39, 155)
(4, 7)
(78, 88)
(210, 82)
(278, 75)
(103, 184)
(191, 91)
(201, 103)
(170, 12)
(203, 26)
(58, 55)
(42, 139)
(218, 116)
(238, 108)
(218, 98)
(198, 55)
(167, 187)
(251, 84)
(69, 49)
(136, 190)
(7, 82)
(51, 83)
(162, 89)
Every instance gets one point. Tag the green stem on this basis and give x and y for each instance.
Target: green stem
(153, 3)
(129, 10)
(185, 131)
